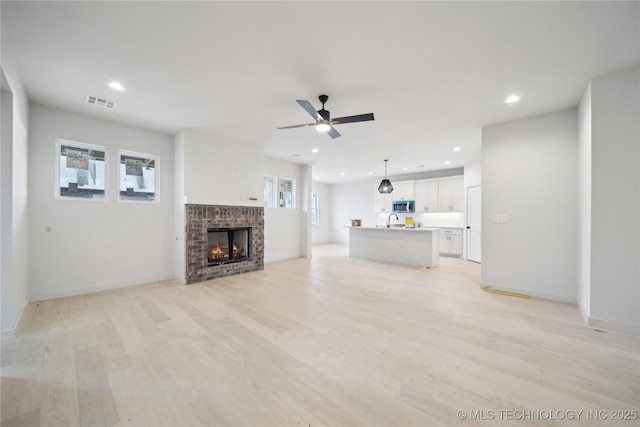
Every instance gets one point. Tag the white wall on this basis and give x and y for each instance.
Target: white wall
(615, 200)
(14, 230)
(179, 248)
(221, 172)
(530, 174)
(584, 196)
(81, 246)
(352, 200)
(322, 233)
(283, 226)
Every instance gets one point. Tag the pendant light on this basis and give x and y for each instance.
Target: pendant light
(385, 186)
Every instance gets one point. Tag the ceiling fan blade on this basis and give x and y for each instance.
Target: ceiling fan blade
(352, 119)
(308, 108)
(297, 126)
(333, 133)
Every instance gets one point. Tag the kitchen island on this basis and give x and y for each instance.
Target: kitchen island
(414, 246)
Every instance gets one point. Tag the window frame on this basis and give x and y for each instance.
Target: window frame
(274, 190)
(314, 209)
(82, 146)
(156, 176)
(293, 192)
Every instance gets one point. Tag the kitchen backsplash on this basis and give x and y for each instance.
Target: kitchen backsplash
(438, 219)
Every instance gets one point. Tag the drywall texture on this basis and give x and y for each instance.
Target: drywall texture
(530, 174)
(584, 215)
(615, 200)
(79, 246)
(14, 214)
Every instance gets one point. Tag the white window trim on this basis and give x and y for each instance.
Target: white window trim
(56, 188)
(316, 208)
(293, 192)
(274, 193)
(156, 158)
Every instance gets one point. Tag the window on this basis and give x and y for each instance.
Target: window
(81, 171)
(138, 177)
(269, 191)
(286, 193)
(315, 202)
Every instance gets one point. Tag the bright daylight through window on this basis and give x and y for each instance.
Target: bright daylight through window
(269, 191)
(315, 204)
(287, 189)
(138, 177)
(80, 170)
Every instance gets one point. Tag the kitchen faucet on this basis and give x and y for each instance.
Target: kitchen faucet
(389, 219)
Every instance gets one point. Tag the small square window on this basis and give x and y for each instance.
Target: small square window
(138, 177)
(81, 171)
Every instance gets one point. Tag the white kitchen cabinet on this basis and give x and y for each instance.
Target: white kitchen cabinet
(403, 190)
(382, 201)
(426, 192)
(451, 195)
(451, 241)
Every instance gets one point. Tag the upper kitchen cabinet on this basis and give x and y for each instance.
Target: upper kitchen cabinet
(403, 190)
(426, 192)
(382, 201)
(451, 195)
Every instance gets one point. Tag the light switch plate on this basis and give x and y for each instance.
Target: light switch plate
(500, 219)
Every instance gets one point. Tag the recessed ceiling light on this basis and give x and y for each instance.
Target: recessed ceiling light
(405, 168)
(457, 149)
(370, 173)
(341, 173)
(116, 86)
(314, 150)
(511, 99)
(447, 162)
(317, 178)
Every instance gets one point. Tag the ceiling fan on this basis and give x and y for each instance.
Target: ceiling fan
(324, 122)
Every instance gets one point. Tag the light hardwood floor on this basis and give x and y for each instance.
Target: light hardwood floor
(323, 342)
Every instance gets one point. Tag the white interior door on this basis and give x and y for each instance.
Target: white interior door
(474, 231)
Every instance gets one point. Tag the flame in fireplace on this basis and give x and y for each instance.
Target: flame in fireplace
(218, 253)
(222, 252)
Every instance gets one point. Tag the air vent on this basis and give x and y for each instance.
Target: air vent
(101, 102)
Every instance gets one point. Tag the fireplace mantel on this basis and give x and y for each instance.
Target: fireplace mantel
(200, 218)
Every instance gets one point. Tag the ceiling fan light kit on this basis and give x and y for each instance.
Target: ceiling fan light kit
(323, 121)
(385, 186)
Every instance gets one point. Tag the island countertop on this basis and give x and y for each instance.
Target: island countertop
(414, 246)
(383, 228)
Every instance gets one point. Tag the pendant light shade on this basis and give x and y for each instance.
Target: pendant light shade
(385, 186)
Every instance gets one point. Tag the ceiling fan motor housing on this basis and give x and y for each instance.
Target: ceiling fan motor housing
(324, 113)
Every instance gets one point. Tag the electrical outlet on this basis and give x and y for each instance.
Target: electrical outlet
(500, 219)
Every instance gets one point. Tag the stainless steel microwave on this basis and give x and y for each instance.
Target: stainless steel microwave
(404, 206)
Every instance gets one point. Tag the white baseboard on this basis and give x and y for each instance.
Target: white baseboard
(533, 294)
(42, 296)
(611, 325)
(8, 334)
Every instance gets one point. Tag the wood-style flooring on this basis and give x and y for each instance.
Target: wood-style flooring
(330, 341)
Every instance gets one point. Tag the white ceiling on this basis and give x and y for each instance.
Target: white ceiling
(433, 73)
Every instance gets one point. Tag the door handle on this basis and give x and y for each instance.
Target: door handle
(468, 228)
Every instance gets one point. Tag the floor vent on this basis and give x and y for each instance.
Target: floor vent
(101, 102)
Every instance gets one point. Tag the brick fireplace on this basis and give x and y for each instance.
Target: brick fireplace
(201, 220)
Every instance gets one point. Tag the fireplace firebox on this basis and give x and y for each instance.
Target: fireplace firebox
(228, 245)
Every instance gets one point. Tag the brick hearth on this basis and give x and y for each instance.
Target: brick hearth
(199, 218)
